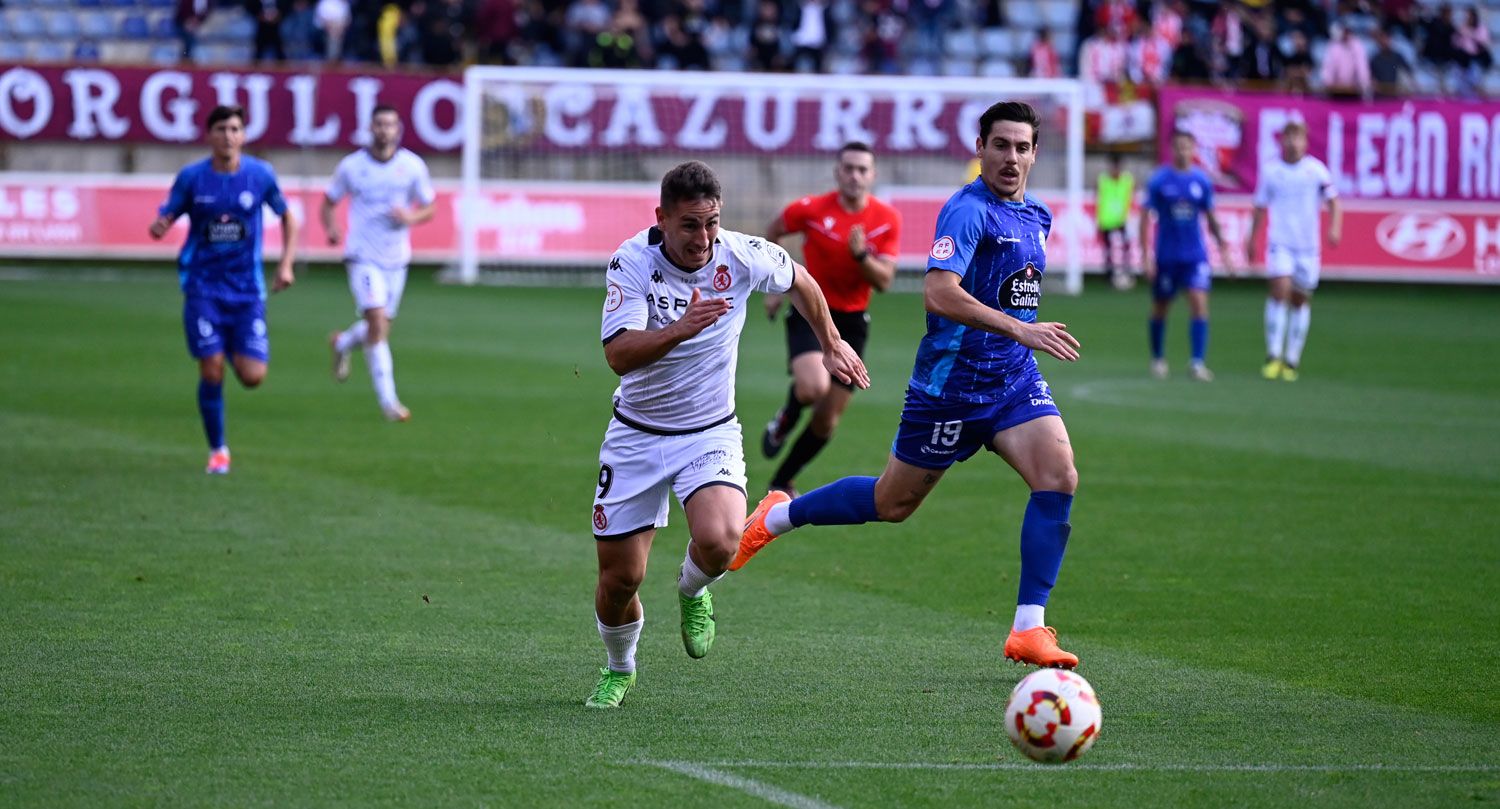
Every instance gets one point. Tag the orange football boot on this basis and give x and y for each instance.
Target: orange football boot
(1038, 647)
(756, 535)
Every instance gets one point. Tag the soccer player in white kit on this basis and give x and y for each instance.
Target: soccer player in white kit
(1294, 188)
(675, 301)
(389, 191)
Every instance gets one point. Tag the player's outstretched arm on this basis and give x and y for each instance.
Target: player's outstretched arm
(943, 296)
(284, 275)
(330, 227)
(839, 357)
(636, 348)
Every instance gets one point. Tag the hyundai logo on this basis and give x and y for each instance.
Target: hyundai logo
(1420, 236)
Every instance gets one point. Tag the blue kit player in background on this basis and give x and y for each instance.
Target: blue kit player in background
(1178, 194)
(223, 285)
(976, 383)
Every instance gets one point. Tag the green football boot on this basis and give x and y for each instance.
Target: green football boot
(610, 691)
(697, 623)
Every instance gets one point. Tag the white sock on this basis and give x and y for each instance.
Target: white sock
(353, 336)
(691, 580)
(619, 643)
(1029, 616)
(1275, 327)
(378, 360)
(779, 518)
(1296, 336)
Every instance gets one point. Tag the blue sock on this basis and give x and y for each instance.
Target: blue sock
(211, 407)
(1044, 537)
(1158, 338)
(1198, 333)
(847, 501)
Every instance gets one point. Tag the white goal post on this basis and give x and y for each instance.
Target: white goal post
(561, 165)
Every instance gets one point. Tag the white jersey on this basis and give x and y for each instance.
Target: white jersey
(375, 188)
(692, 387)
(1293, 194)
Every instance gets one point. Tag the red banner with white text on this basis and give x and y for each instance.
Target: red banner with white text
(580, 225)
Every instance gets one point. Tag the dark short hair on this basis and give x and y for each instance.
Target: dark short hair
(1183, 133)
(224, 112)
(689, 181)
(1018, 111)
(379, 108)
(856, 146)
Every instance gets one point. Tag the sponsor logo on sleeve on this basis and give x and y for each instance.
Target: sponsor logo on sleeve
(613, 297)
(943, 248)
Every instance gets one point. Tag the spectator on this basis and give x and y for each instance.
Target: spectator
(1115, 14)
(1346, 68)
(1228, 38)
(1189, 64)
(1471, 46)
(681, 49)
(439, 48)
(766, 55)
(618, 46)
(585, 21)
(1261, 60)
(811, 34)
(1298, 66)
(1438, 48)
(1166, 21)
(332, 17)
(189, 18)
(931, 18)
(1104, 58)
(992, 14)
(267, 14)
(1389, 70)
(542, 40)
(299, 32)
(880, 41)
(1399, 15)
(495, 27)
(1043, 62)
(1150, 56)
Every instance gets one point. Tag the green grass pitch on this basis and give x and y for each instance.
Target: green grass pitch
(1285, 594)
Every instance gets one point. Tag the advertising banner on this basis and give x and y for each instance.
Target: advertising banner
(1400, 149)
(579, 225)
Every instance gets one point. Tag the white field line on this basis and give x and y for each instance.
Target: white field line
(713, 766)
(748, 786)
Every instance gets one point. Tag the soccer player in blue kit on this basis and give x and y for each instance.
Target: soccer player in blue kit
(1178, 194)
(976, 383)
(219, 267)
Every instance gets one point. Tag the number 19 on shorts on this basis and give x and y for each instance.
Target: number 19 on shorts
(946, 433)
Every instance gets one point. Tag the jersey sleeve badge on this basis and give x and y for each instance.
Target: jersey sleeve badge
(943, 248)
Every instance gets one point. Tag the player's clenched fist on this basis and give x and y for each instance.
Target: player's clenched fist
(701, 313)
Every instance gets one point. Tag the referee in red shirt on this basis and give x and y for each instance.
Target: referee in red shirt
(849, 245)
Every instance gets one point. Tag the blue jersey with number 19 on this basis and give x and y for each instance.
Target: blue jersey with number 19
(221, 257)
(998, 249)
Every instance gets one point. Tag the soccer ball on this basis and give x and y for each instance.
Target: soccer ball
(1053, 716)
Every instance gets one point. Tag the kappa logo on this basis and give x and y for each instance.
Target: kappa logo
(656, 277)
(614, 264)
(943, 248)
(724, 473)
(722, 279)
(1420, 235)
(601, 522)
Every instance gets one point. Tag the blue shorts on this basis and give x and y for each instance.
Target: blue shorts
(1175, 276)
(938, 433)
(226, 327)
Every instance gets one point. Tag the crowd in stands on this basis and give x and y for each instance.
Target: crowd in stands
(1362, 47)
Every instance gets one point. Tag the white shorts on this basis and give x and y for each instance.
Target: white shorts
(638, 470)
(376, 287)
(1301, 265)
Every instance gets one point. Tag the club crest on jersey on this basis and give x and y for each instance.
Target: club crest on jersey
(722, 279)
(943, 248)
(613, 297)
(1022, 289)
(601, 522)
(246, 199)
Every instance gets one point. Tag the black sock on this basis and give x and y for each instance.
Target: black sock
(806, 448)
(791, 411)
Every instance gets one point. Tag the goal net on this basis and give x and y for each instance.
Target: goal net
(561, 166)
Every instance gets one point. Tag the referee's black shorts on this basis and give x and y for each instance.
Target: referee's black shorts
(854, 327)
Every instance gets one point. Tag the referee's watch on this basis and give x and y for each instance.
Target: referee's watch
(862, 255)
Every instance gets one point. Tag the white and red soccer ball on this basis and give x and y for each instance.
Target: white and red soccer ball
(1053, 716)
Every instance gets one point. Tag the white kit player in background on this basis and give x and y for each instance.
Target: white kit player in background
(389, 191)
(675, 303)
(1294, 188)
